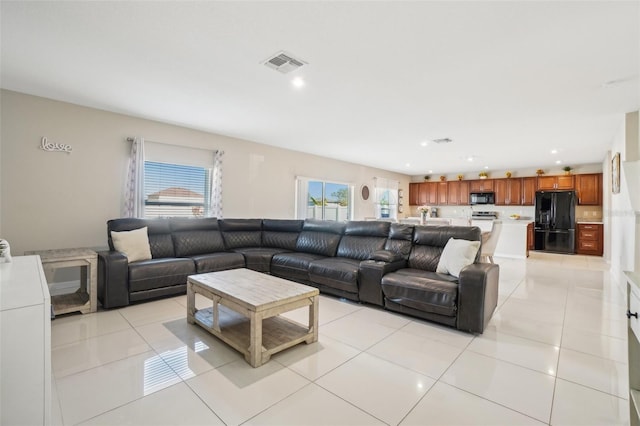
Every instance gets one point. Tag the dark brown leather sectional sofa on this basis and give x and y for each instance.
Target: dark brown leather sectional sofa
(381, 263)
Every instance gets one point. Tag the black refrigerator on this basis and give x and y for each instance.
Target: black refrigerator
(555, 226)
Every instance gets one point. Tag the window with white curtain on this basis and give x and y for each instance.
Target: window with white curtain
(386, 199)
(326, 200)
(178, 181)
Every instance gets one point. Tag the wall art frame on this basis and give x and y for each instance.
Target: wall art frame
(615, 173)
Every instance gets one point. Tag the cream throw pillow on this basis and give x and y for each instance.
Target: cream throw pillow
(134, 244)
(456, 255)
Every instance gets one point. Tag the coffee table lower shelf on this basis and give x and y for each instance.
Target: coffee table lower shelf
(278, 333)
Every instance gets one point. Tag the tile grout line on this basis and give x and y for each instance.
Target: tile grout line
(555, 380)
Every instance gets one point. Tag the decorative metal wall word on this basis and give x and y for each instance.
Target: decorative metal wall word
(45, 145)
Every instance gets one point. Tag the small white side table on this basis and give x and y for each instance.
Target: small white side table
(85, 298)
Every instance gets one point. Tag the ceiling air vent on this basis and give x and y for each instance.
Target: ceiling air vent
(443, 140)
(284, 62)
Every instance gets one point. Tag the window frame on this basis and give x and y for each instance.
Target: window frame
(204, 206)
(302, 198)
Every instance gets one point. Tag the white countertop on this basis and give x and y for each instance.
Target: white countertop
(589, 222)
(22, 283)
(520, 222)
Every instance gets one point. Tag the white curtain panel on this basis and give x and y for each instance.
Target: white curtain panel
(302, 197)
(387, 190)
(215, 201)
(134, 188)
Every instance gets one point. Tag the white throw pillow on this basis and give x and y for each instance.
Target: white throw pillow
(134, 244)
(456, 255)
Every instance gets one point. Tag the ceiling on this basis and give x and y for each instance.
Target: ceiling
(507, 81)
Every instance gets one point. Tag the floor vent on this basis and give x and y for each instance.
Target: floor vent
(284, 62)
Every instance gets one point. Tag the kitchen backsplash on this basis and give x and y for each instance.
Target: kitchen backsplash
(588, 213)
(583, 213)
(466, 211)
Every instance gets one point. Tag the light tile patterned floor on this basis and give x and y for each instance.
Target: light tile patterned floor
(554, 353)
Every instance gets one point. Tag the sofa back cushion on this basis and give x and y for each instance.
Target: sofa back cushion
(281, 233)
(320, 237)
(193, 236)
(400, 239)
(134, 244)
(241, 233)
(362, 238)
(159, 232)
(429, 242)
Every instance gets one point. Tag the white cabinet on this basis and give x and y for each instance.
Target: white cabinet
(633, 307)
(25, 343)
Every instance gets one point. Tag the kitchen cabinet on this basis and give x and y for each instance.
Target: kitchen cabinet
(442, 193)
(589, 189)
(481, 185)
(429, 193)
(424, 193)
(555, 182)
(414, 193)
(458, 193)
(529, 186)
(508, 191)
(589, 238)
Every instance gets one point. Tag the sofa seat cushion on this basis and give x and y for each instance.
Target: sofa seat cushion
(293, 265)
(336, 272)
(422, 290)
(156, 273)
(422, 273)
(259, 258)
(218, 262)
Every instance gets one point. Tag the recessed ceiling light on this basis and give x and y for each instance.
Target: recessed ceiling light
(554, 151)
(424, 143)
(407, 165)
(297, 82)
(430, 171)
(558, 161)
(486, 167)
(470, 158)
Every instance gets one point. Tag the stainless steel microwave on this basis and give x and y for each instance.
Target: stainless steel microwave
(482, 198)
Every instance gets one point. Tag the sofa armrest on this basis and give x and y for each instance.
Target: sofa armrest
(477, 296)
(113, 279)
(386, 256)
(370, 276)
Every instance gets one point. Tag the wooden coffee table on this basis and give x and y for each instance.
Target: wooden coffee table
(246, 309)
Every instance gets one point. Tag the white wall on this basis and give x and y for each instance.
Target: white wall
(59, 200)
(619, 216)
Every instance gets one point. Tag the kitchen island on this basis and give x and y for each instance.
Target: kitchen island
(513, 239)
(512, 242)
